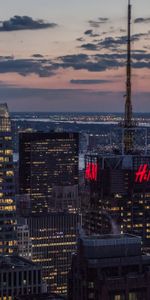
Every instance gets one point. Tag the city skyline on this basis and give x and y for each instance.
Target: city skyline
(72, 56)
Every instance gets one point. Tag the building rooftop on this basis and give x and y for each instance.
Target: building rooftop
(15, 262)
(4, 113)
(40, 297)
(112, 238)
(102, 246)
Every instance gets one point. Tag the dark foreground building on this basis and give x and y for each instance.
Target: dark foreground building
(109, 267)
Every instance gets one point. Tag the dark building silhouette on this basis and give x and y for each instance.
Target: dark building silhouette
(46, 160)
(109, 268)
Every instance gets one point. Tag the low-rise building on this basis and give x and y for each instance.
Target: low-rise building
(19, 276)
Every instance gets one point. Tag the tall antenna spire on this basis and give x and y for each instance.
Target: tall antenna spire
(128, 120)
(128, 104)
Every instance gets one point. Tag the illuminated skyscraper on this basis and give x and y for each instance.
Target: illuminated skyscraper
(118, 184)
(118, 195)
(18, 276)
(48, 171)
(46, 160)
(7, 199)
(54, 237)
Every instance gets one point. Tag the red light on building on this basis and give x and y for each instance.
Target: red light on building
(143, 174)
(91, 171)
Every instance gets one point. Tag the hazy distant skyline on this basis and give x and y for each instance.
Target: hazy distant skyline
(67, 55)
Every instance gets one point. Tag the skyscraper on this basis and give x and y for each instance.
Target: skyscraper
(46, 160)
(7, 193)
(49, 175)
(118, 195)
(18, 276)
(54, 237)
(119, 183)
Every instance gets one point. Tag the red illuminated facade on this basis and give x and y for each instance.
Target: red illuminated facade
(91, 171)
(143, 174)
(117, 195)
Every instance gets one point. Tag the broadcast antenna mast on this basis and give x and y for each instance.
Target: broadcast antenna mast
(128, 123)
(128, 104)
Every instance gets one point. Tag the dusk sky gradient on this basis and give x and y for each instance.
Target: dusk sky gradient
(71, 55)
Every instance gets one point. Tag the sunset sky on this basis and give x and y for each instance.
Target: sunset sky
(66, 55)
